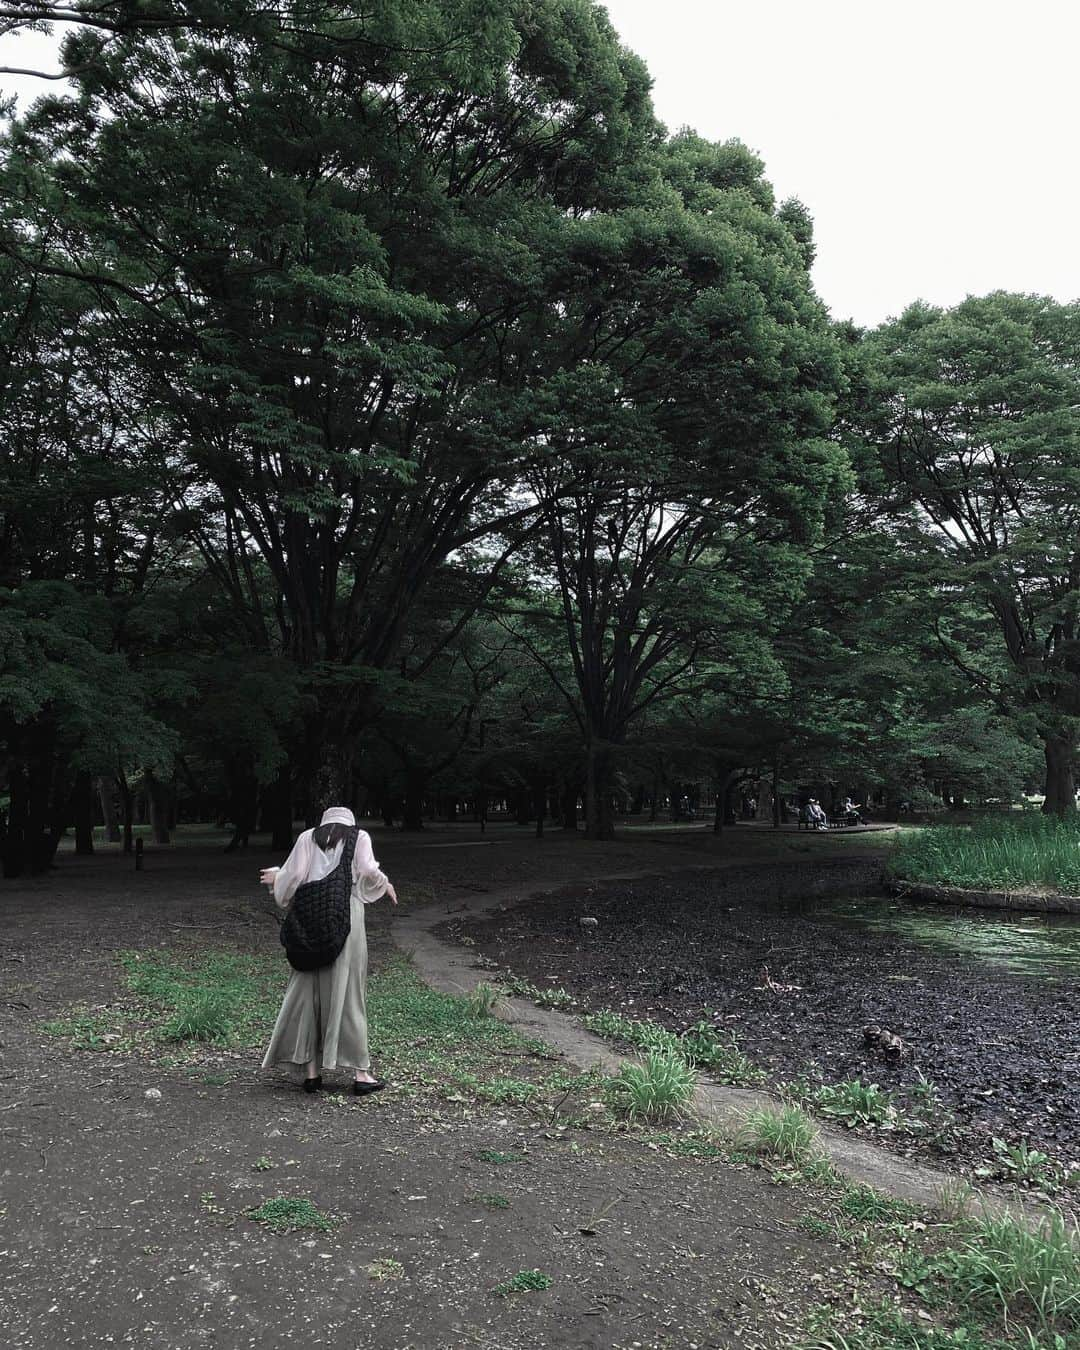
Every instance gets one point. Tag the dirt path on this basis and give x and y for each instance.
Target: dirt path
(123, 1216)
(453, 967)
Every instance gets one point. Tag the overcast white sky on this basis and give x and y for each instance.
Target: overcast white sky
(934, 141)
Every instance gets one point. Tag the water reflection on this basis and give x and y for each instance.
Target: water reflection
(1041, 945)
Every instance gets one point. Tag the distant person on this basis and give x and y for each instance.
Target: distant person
(816, 816)
(850, 811)
(323, 1019)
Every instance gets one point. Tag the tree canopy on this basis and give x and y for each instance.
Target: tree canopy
(393, 408)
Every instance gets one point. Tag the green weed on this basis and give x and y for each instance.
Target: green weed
(498, 1158)
(702, 1045)
(385, 1268)
(1028, 1167)
(287, 1214)
(553, 998)
(523, 1282)
(492, 1201)
(483, 1000)
(855, 1103)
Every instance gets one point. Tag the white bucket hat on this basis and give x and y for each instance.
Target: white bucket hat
(338, 815)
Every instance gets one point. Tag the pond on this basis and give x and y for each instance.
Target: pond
(1044, 945)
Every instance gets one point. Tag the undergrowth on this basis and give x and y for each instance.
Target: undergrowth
(1030, 851)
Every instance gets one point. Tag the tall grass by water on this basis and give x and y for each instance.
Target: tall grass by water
(1033, 852)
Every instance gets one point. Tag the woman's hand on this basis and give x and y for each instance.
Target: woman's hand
(391, 893)
(267, 875)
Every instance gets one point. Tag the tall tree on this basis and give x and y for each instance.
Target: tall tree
(684, 463)
(976, 420)
(321, 283)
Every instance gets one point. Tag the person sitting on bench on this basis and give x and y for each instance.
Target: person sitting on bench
(849, 812)
(816, 815)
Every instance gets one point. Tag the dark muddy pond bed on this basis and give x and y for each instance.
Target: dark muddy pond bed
(986, 1006)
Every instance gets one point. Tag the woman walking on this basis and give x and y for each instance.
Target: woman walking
(323, 1019)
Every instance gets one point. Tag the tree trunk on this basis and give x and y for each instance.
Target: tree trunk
(277, 810)
(109, 812)
(777, 805)
(15, 835)
(82, 806)
(1060, 799)
(158, 796)
(599, 820)
(413, 817)
(569, 807)
(127, 810)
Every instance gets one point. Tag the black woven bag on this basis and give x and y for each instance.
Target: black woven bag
(317, 924)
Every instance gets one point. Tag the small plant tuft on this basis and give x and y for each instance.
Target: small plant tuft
(483, 1000)
(659, 1088)
(287, 1214)
(385, 1268)
(788, 1135)
(523, 1282)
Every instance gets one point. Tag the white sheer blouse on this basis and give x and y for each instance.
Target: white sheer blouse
(307, 862)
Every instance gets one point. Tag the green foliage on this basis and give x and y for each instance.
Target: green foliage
(700, 1046)
(787, 1135)
(661, 1087)
(291, 1214)
(1030, 1275)
(855, 1103)
(973, 413)
(1002, 853)
(483, 1000)
(525, 1281)
(498, 1157)
(492, 1200)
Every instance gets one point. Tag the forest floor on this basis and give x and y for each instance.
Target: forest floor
(988, 1053)
(166, 1193)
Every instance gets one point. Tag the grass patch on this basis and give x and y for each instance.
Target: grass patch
(492, 1201)
(1034, 852)
(385, 1268)
(656, 1090)
(1025, 1275)
(702, 1046)
(523, 1282)
(498, 1158)
(483, 1000)
(787, 1135)
(289, 1214)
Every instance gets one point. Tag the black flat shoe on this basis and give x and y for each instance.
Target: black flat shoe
(312, 1084)
(363, 1089)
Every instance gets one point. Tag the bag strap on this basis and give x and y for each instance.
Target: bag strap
(348, 851)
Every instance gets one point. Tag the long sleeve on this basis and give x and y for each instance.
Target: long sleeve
(295, 868)
(370, 881)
